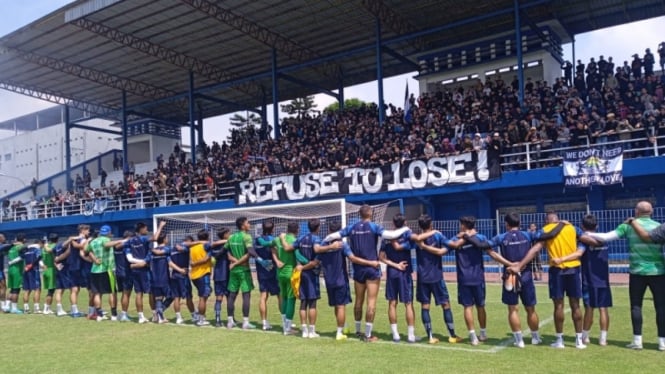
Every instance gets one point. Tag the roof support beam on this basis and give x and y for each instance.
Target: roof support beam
(391, 19)
(303, 83)
(398, 56)
(96, 76)
(91, 128)
(168, 55)
(289, 47)
(228, 103)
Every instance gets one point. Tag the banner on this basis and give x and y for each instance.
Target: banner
(399, 176)
(593, 166)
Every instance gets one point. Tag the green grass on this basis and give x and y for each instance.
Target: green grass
(45, 344)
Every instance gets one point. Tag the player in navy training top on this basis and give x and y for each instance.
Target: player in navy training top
(138, 254)
(220, 273)
(62, 279)
(180, 286)
(596, 290)
(159, 274)
(123, 274)
(306, 248)
(430, 245)
(399, 280)
(31, 280)
(514, 244)
(363, 239)
(74, 260)
(266, 272)
(336, 276)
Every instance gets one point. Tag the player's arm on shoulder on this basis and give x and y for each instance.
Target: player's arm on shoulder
(324, 246)
(607, 236)
(656, 235)
(542, 236)
(432, 249)
(286, 245)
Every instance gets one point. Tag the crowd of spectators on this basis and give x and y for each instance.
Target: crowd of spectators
(598, 103)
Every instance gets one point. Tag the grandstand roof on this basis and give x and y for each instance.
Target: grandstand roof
(88, 51)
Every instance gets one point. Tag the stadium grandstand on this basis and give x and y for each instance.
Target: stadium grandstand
(498, 113)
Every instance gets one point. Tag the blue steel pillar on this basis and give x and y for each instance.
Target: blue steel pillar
(192, 126)
(520, 62)
(574, 62)
(275, 94)
(199, 126)
(125, 131)
(68, 150)
(379, 70)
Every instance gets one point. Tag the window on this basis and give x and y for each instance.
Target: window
(8, 156)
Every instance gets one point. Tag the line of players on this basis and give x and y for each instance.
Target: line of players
(167, 274)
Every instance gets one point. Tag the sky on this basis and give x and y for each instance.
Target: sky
(620, 42)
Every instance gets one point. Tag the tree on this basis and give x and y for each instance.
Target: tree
(251, 119)
(300, 106)
(352, 103)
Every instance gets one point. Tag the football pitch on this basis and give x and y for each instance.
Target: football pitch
(48, 344)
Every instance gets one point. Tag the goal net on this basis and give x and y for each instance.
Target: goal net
(180, 225)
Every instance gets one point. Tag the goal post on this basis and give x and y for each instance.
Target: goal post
(179, 225)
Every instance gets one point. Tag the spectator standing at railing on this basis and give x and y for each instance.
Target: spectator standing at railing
(648, 61)
(567, 68)
(103, 175)
(636, 66)
(33, 186)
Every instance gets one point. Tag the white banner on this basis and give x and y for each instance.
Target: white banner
(593, 166)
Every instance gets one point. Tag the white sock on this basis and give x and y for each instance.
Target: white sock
(75, 309)
(265, 322)
(472, 333)
(393, 329)
(661, 341)
(91, 309)
(603, 335)
(518, 336)
(177, 315)
(47, 308)
(245, 320)
(141, 315)
(535, 335)
(637, 339)
(340, 330)
(368, 329)
(287, 324)
(283, 319)
(14, 306)
(303, 328)
(26, 307)
(230, 319)
(411, 332)
(358, 326)
(559, 337)
(483, 332)
(312, 329)
(585, 334)
(36, 307)
(58, 307)
(123, 313)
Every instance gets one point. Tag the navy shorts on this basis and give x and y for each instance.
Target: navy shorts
(141, 281)
(160, 291)
(78, 278)
(424, 292)
(471, 295)
(310, 287)
(339, 295)
(125, 283)
(180, 288)
(203, 285)
(31, 281)
(597, 297)
(221, 288)
(566, 282)
(400, 288)
(63, 281)
(362, 274)
(271, 286)
(100, 283)
(527, 293)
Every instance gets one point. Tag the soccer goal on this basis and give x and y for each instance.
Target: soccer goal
(179, 225)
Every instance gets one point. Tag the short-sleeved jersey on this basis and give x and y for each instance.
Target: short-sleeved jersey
(238, 245)
(398, 256)
(48, 255)
(139, 247)
(564, 244)
(59, 250)
(513, 245)
(363, 239)
(470, 264)
(159, 267)
(305, 245)
(288, 258)
(105, 255)
(74, 260)
(198, 252)
(121, 263)
(179, 258)
(14, 253)
(333, 264)
(595, 266)
(263, 247)
(430, 266)
(31, 256)
(221, 269)
(644, 258)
